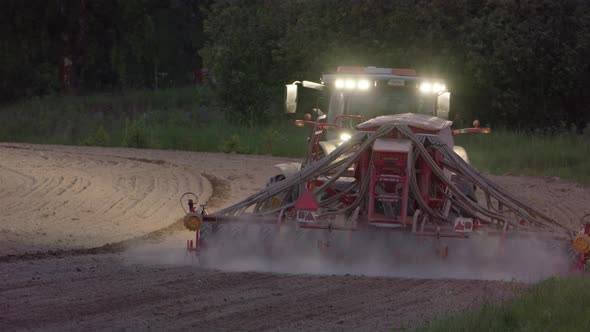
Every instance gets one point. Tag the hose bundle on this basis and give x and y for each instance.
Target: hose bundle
(502, 208)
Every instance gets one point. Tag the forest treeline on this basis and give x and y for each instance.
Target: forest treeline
(85, 46)
(513, 63)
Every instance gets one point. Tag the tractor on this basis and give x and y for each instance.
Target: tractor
(356, 94)
(381, 168)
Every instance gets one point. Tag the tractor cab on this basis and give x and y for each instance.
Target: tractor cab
(371, 92)
(356, 94)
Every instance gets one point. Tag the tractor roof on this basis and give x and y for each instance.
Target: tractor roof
(405, 74)
(375, 70)
(397, 77)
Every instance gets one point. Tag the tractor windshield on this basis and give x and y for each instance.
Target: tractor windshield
(370, 104)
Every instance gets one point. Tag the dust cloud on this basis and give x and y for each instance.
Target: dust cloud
(376, 253)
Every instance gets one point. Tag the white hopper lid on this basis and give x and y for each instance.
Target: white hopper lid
(392, 145)
(416, 120)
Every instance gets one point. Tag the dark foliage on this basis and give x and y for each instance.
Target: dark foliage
(522, 64)
(517, 63)
(108, 44)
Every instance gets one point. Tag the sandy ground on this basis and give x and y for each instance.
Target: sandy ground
(70, 197)
(58, 204)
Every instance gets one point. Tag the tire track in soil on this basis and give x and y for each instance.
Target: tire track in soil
(562, 200)
(220, 189)
(47, 194)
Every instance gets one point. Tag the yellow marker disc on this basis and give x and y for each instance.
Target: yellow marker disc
(275, 202)
(582, 243)
(192, 221)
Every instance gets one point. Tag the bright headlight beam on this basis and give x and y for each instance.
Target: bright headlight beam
(436, 87)
(426, 87)
(344, 137)
(432, 87)
(350, 84)
(363, 85)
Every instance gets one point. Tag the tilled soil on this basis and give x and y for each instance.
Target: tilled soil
(104, 292)
(74, 219)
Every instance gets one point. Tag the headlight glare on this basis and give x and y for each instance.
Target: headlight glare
(350, 84)
(432, 87)
(363, 85)
(436, 87)
(426, 87)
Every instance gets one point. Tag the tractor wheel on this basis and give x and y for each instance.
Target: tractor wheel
(206, 231)
(231, 232)
(467, 188)
(274, 202)
(266, 233)
(236, 231)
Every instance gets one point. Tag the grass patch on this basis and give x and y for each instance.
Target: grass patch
(219, 136)
(186, 119)
(512, 153)
(180, 118)
(71, 119)
(556, 304)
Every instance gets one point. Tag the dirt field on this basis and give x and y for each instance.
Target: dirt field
(86, 242)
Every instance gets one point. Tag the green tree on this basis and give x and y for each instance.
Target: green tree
(509, 63)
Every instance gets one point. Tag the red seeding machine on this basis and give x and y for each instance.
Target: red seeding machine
(381, 166)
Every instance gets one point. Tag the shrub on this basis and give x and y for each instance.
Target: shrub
(270, 137)
(99, 138)
(136, 134)
(233, 144)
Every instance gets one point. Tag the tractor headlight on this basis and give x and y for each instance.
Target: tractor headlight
(426, 87)
(344, 137)
(432, 87)
(436, 87)
(363, 85)
(352, 84)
